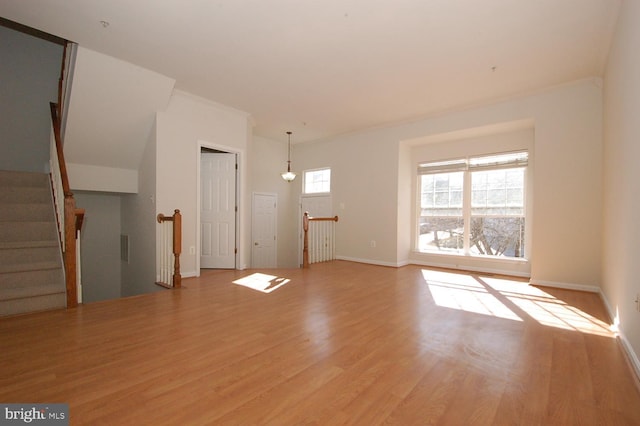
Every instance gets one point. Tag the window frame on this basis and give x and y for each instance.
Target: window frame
(304, 181)
(468, 165)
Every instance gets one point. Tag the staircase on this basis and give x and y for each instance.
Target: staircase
(31, 268)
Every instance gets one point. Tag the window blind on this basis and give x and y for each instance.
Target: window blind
(492, 161)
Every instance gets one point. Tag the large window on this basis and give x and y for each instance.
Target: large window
(474, 205)
(316, 181)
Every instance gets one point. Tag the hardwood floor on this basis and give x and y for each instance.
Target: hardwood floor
(340, 343)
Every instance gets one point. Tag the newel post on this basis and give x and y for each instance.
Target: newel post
(177, 247)
(70, 255)
(305, 250)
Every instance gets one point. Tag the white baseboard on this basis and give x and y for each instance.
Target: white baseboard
(372, 262)
(565, 286)
(190, 274)
(632, 357)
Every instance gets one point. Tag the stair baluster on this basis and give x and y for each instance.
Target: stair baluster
(171, 247)
(323, 239)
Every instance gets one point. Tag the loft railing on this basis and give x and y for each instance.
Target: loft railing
(69, 217)
(170, 249)
(319, 239)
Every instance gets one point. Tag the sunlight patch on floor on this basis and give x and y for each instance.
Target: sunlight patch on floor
(262, 282)
(509, 299)
(465, 293)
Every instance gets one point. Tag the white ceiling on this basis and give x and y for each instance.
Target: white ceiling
(326, 67)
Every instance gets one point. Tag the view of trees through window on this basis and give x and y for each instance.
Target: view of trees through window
(489, 212)
(441, 219)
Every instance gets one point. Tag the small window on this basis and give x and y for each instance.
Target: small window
(317, 181)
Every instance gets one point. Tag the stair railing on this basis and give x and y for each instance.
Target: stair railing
(64, 83)
(170, 249)
(322, 232)
(69, 217)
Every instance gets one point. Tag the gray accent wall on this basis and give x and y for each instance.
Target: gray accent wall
(139, 223)
(29, 71)
(100, 245)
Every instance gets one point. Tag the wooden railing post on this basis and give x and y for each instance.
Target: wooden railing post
(70, 254)
(177, 247)
(305, 249)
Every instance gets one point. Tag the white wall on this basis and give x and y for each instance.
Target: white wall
(567, 189)
(364, 188)
(86, 177)
(567, 171)
(188, 122)
(29, 71)
(621, 268)
(406, 197)
(268, 163)
(129, 133)
(112, 109)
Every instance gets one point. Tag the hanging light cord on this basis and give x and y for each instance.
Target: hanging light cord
(289, 154)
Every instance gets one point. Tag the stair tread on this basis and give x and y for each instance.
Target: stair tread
(25, 223)
(23, 179)
(32, 304)
(35, 291)
(31, 266)
(12, 231)
(26, 212)
(26, 203)
(26, 194)
(28, 244)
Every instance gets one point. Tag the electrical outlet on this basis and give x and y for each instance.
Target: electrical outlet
(373, 243)
(192, 250)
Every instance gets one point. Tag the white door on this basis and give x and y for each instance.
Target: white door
(263, 228)
(217, 210)
(317, 206)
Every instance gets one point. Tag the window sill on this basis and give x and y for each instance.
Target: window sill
(474, 256)
(492, 264)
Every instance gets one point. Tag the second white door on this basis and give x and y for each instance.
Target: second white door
(263, 226)
(217, 210)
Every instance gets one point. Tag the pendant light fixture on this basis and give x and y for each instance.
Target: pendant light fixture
(289, 175)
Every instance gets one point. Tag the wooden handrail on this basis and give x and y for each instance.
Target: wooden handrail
(61, 81)
(72, 217)
(177, 244)
(55, 119)
(79, 220)
(305, 226)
